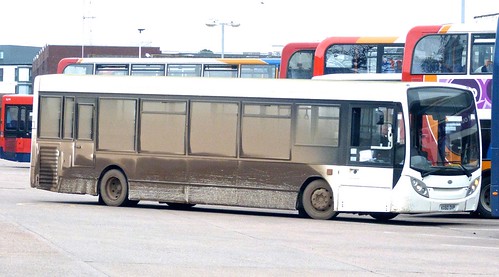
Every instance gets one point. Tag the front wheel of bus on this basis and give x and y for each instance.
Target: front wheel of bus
(317, 201)
(484, 210)
(113, 188)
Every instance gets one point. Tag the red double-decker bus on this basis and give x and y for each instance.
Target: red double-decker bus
(343, 55)
(461, 54)
(15, 127)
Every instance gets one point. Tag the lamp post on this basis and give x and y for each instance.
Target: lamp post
(140, 41)
(214, 22)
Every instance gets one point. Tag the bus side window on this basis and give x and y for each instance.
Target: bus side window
(367, 138)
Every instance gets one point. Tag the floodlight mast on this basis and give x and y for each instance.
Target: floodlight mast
(215, 22)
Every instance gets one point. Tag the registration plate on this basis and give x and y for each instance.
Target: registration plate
(447, 207)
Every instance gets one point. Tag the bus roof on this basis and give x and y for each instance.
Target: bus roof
(361, 77)
(175, 60)
(20, 99)
(454, 28)
(230, 87)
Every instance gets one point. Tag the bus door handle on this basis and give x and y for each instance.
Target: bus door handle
(354, 170)
(78, 146)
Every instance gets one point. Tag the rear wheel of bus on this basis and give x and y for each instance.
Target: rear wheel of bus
(317, 201)
(113, 189)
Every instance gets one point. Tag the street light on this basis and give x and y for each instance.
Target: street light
(214, 22)
(140, 41)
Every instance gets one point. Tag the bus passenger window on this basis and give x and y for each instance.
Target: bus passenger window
(442, 53)
(258, 71)
(317, 125)
(49, 122)
(184, 70)
(213, 129)
(482, 49)
(266, 131)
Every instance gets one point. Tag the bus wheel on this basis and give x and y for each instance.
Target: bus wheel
(383, 216)
(317, 201)
(484, 209)
(113, 188)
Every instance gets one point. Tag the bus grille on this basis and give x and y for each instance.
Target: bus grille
(48, 167)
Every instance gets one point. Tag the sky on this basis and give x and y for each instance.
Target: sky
(180, 26)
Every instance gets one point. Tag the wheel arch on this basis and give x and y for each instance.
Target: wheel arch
(486, 174)
(305, 183)
(108, 168)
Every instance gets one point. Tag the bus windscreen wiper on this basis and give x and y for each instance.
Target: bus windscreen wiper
(466, 171)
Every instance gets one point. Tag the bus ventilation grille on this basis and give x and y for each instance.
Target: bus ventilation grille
(48, 167)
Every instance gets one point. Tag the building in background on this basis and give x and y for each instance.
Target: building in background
(16, 69)
(49, 56)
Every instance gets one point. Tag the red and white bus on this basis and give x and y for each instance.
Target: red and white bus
(459, 54)
(184, 67)
(15, 127)
(343, 55)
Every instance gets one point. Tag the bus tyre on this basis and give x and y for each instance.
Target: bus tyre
(317, 201)
(113, 188)
(484, 209)
(383, 216)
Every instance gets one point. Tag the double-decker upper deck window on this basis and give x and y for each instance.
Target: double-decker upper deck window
(301, 65)
(220, 70)
(482, 51)
(184, 70)
(440, 54)
(148, 69)
(79, 69)
(258, 71)
(111, 69)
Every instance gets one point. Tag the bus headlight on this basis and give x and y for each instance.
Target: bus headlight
(473, 186)
(419, 187)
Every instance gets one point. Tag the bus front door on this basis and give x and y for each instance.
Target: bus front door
(367, 179)
(84, 152)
